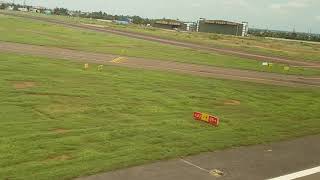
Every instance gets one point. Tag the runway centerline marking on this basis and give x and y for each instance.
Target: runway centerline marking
(299, 174)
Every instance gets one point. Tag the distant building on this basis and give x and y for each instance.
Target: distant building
(121, 22)
(34, 10)
(23, 9)
(84, 13)
(10, 8)
(37, 9)
(47, 12)
(74, 13)
(223, 27)
(71, 13)
(170, 24)
(190, 26)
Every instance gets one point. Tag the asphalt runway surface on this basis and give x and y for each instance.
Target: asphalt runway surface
(295, 159)
(161, 65)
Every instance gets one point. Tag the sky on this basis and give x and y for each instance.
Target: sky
(301, 15)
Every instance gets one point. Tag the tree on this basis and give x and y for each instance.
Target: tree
(286, 35)
(15, 7)
(60, 11)
(3, 6)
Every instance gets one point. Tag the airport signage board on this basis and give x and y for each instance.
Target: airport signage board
(210, 119)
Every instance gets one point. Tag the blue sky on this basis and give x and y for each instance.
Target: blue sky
(302, 15)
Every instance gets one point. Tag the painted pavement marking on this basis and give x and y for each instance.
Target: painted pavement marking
(299, 174)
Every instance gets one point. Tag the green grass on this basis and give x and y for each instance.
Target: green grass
(302, 51)
(294, 50)
(70, 122)
(40, 33)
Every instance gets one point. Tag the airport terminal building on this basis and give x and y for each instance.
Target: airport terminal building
(207, 26)
(222, 27)
(169, 24)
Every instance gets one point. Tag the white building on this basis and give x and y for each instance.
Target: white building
(37, 9)
(34, 10)
(245, 29)
(10, 8)
(23, 9)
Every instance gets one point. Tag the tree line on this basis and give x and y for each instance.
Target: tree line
(93, 15)
(17, 6)
(101, 15)
(285, 35)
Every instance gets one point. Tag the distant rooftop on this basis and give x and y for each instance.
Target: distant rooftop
(39, 7)
(169, 22)
(221, 22)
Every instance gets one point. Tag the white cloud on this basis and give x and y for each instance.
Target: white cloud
(292, 4)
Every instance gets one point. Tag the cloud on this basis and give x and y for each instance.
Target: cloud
(292, 4)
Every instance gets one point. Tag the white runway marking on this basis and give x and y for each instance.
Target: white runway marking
(299, 174)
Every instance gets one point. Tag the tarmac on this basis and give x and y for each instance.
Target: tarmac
(161, 65)
(277, 161)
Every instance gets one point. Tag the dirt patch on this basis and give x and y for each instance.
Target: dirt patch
(64, 108)
(63, 157)
(60, 131)
(94, 25)
(38, 94)
(232, 102)
(61, 106)
(24, 84)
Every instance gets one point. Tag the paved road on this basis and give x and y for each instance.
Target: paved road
(244, 163)
(199, 70)
(170, 42)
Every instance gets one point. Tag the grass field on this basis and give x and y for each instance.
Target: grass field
(59, 121)
(293, 50)
(40, 33)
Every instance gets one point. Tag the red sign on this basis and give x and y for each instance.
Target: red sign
(213, 120)
(197, 116)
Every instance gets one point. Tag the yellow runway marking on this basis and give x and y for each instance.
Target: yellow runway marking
(118, 60)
